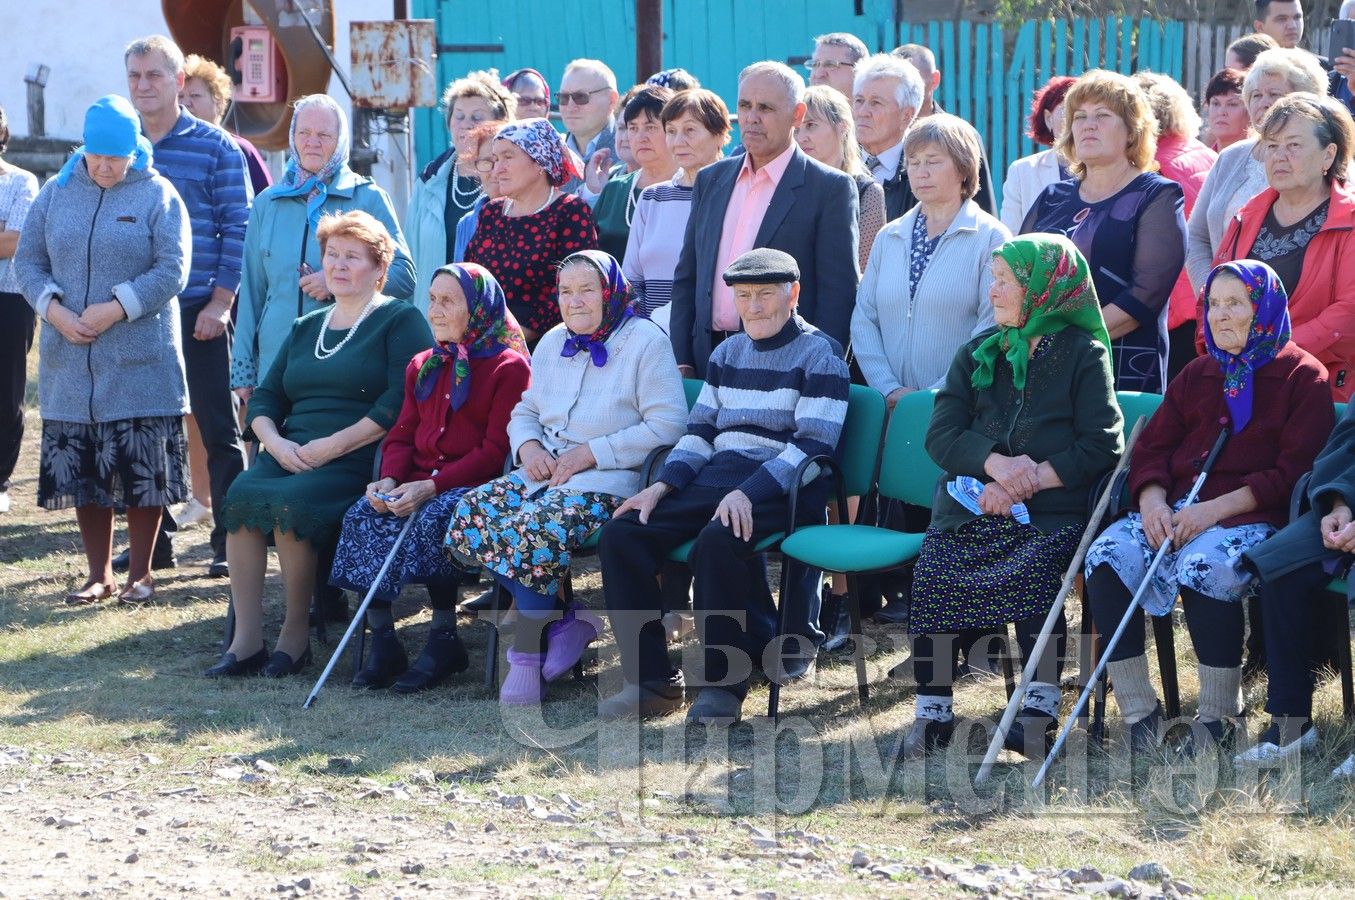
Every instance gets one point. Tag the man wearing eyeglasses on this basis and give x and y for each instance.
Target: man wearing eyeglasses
(588, 99)
(834, 61)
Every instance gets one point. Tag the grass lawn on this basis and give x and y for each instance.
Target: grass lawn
(105, 723)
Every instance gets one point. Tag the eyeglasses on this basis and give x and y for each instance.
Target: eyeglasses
(532, 101)
(828, 65)
(579, 98)
(484, 165)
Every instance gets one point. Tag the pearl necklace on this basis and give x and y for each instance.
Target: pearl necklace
(457, 194)
(508, 203)
(321, 351)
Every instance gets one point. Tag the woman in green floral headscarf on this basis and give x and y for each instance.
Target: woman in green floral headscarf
(1028, 412)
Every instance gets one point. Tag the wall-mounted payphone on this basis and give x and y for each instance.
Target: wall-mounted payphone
(257, 68)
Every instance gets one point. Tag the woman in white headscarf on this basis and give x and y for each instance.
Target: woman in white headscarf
(282, 279)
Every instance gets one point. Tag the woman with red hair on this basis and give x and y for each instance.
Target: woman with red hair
(1028, 176)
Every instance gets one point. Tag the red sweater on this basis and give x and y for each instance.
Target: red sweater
(466, 447)
(1292, 416)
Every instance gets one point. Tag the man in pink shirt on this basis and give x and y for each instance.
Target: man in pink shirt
(771, 196)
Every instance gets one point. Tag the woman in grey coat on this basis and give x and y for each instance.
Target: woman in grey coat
(102, 258)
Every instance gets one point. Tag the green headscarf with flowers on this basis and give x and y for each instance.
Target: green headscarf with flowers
(1059, 293)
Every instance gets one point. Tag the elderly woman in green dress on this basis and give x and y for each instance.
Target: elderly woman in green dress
(333, 391)
(1028, 409)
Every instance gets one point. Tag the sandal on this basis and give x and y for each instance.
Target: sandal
(137, 593)
(92, 592)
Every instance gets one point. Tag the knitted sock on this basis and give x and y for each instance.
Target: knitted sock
(1042, 697)
(938, 709)
(1220, 693)
(380, 616)
(1133, 691)
(444, 619)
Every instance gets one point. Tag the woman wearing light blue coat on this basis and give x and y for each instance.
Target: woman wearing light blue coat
(282, 278)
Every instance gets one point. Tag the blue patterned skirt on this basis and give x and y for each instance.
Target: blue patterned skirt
(368, 536)
(990, 571)
(137, 462)
(1210, 564)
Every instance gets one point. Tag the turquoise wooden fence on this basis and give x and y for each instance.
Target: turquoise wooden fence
(988, 73)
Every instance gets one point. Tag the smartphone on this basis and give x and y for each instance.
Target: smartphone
(1341, 36)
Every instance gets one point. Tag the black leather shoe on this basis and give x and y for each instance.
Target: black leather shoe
(219, 567)
(894, 612)
(444, 655)
(161, 558)
(1145, 735)
(280, 664)
(487, 601)
(1027, 724)
(925, 736)
(835, 621)
(386, 659)
(230, 667)
(1221, 735)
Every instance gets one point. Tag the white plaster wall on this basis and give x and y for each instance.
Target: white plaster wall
(82, 42)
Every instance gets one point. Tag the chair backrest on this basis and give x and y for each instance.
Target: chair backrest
(692, 387)
(1340, 410)
(907, 473)
(1136, 403)
(859, 446)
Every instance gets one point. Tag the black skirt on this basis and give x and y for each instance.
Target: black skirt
(128, 463)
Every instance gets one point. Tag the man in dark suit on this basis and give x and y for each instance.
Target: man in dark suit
(771, 196)
(888, 94)
(924, 60)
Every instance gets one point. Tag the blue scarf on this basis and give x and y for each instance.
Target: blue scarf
(616, 307)
(1268, 333)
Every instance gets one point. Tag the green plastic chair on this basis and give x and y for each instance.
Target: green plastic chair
(1136, 403)
(907, 474)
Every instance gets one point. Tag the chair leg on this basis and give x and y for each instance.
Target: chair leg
(492, 643)
(1165, 640)
(229, 636)
(858, 641)
(1005, 654)
(360, 648)
(1341, 630)
(774, 695)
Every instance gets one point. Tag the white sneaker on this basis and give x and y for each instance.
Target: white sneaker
(678, 625)
(192, 513)
(4, 501)
(1270, 750)
(1345, 770)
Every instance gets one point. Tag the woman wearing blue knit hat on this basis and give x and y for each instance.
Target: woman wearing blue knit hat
(102, 258)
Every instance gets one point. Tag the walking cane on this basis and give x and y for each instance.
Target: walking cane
(1128, 615)
(362, 611)
(1032, 662)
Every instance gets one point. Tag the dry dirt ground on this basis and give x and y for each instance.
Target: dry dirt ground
(123, 773)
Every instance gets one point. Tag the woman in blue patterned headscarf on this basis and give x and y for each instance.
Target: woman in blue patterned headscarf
(1274, 398)
(452, 435)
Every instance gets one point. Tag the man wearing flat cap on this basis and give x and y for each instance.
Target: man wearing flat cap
(774, 394)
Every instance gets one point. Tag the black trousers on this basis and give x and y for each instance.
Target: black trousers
(207, 365)
(935, 655)
(17, 324)
(1288, 611)
(735, 613)
(1215, 626)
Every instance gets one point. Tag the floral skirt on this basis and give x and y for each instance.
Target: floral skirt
(990, 571)
(138, 462)
(1210, 564)
(530, 540)
(368, 536)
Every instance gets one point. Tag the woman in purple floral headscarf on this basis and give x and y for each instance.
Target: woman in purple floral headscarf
(1274, 397)
(452, 434)
(522, 237)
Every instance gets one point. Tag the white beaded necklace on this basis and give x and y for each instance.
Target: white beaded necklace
(471, 196)
(508, 203)
(631, 196)
(321, 351)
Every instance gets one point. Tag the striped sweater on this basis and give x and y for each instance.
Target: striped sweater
(656, 233)
(766, 406)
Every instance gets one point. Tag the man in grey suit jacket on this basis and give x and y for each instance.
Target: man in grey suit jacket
(771, 196)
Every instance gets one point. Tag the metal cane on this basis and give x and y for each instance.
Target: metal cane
(1128, 615)
(1032, 662)
(362, 611)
